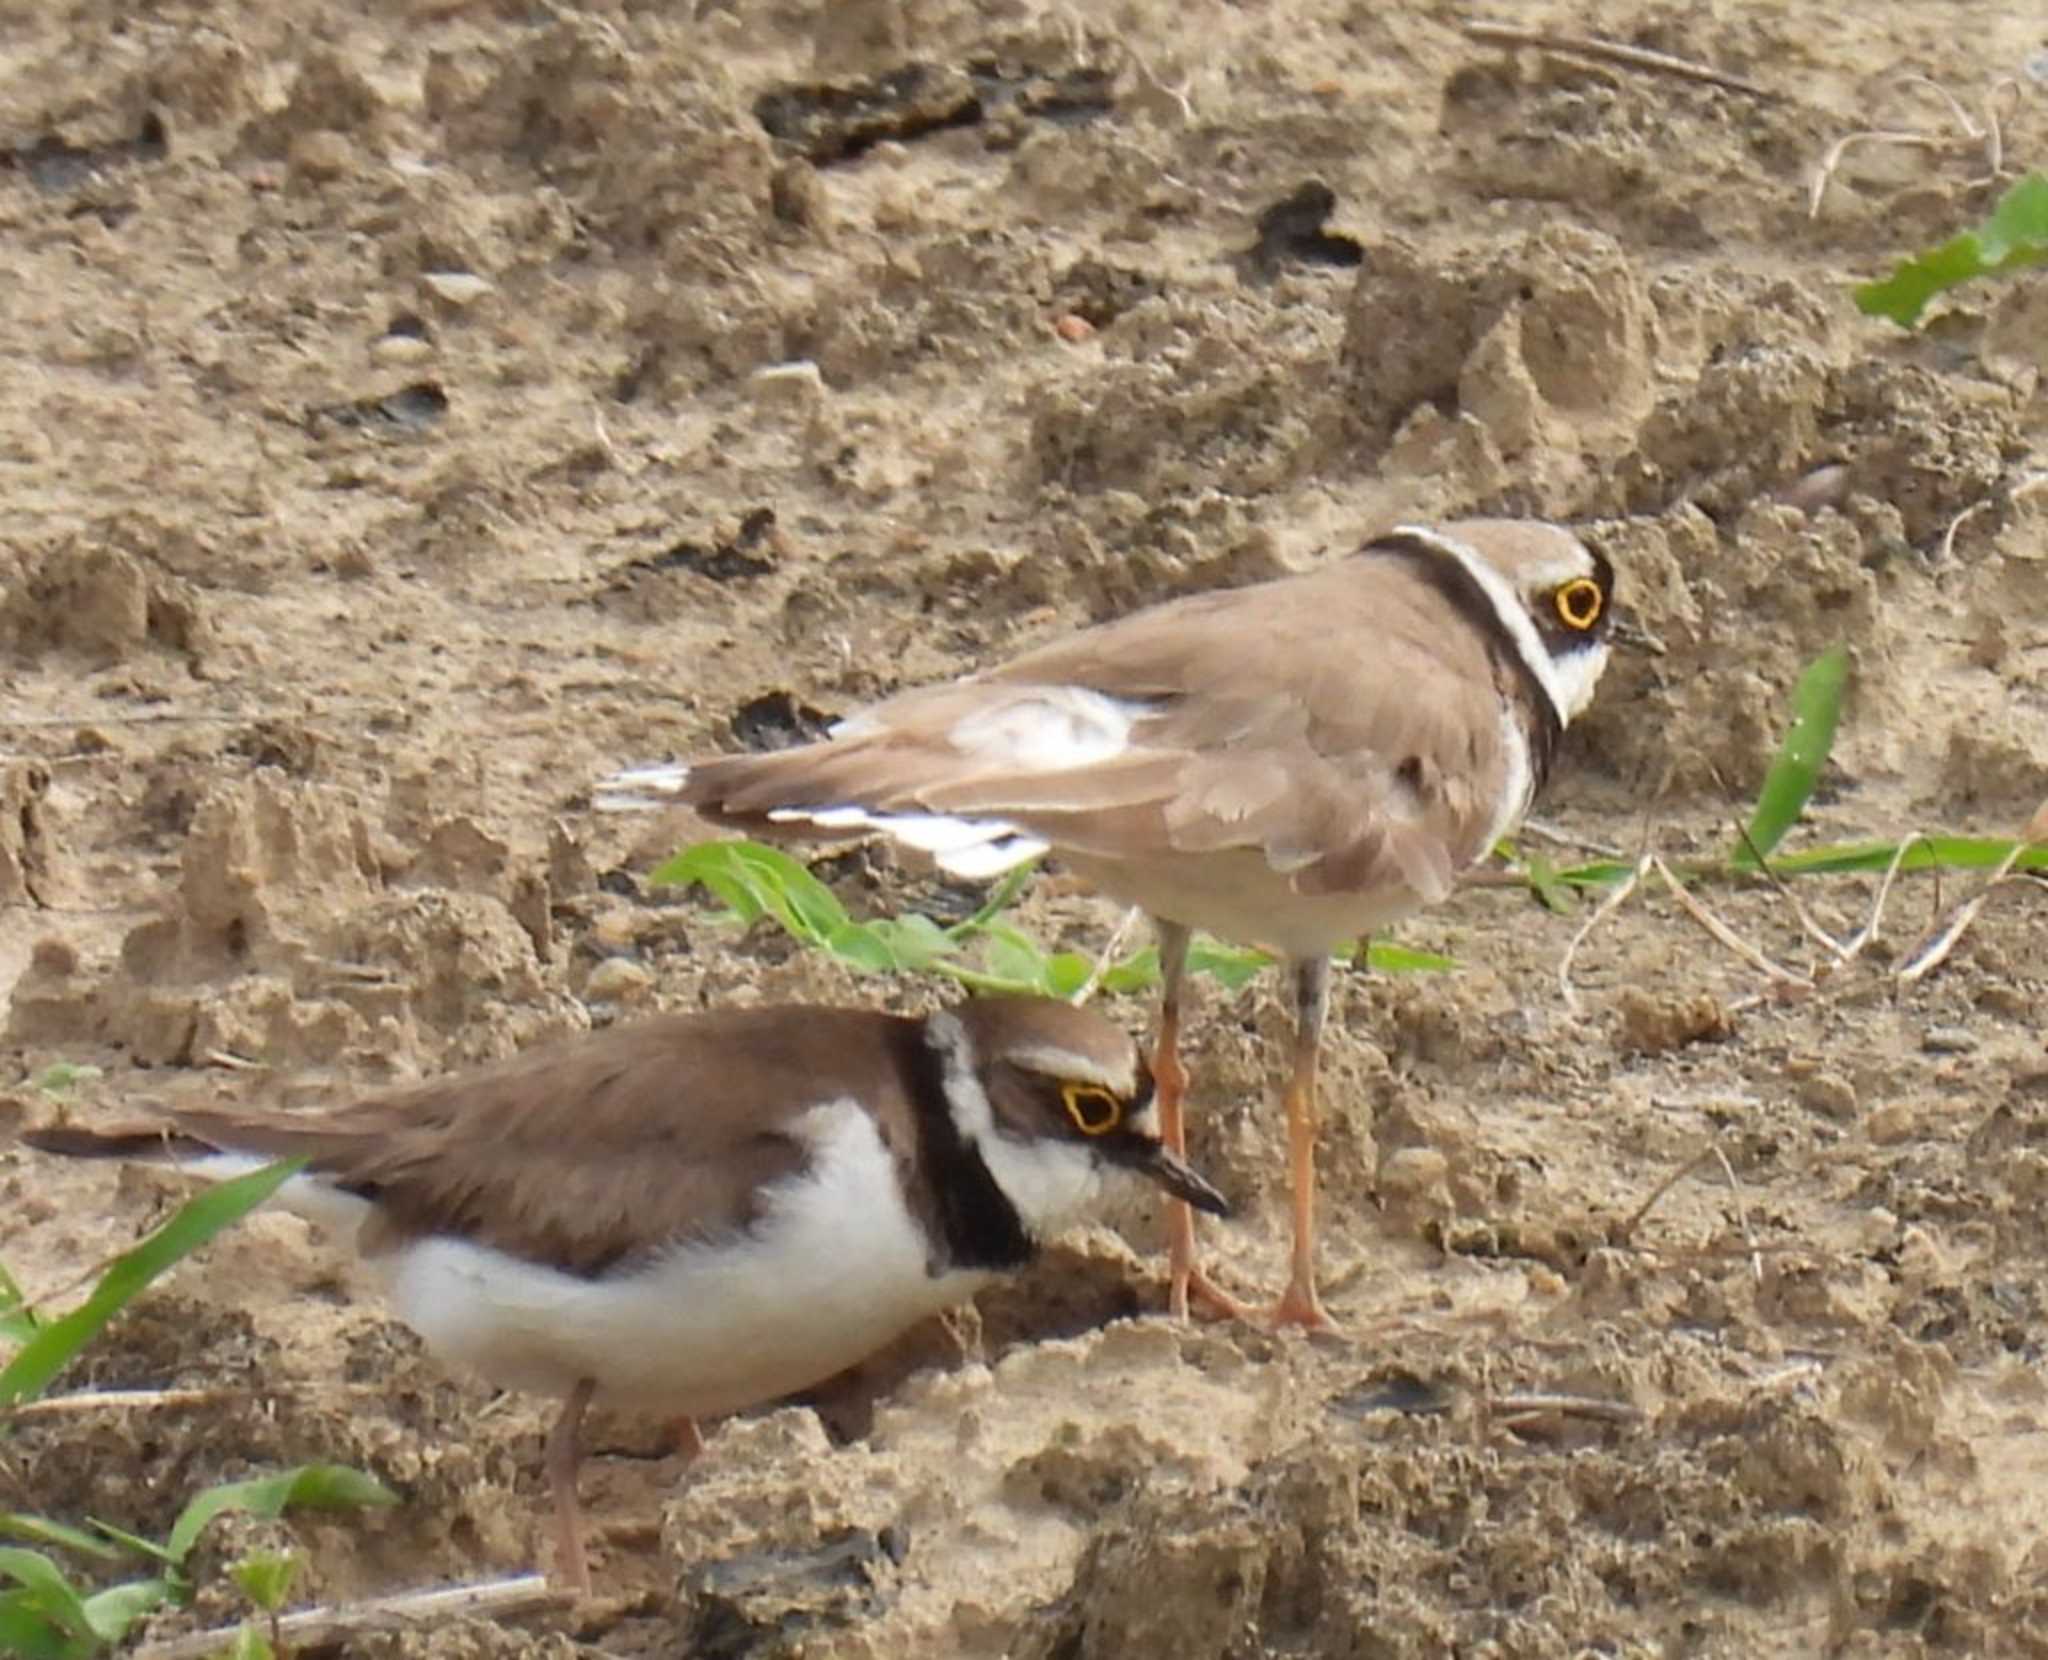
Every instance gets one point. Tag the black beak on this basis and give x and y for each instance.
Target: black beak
(1150, 1159)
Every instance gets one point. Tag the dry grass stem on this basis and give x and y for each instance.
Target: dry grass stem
(115, 1400)
(1514, 1410)
(1614, 53)
(1564, 838)
(1725, 934)
(1960, 131)
(1935, 948)
(1812, 929)
(1109, 954)
(1868, 932)
(326, 1627)
(1641, 1213)
(1756, 1261)
(1948, 537)
(1615, 896)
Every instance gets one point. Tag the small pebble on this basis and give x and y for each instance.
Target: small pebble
(617, 980)
(797, 384)
(1948, 1040)
(401, 348)
(456, 287)
(1072, 329)
(322, 154)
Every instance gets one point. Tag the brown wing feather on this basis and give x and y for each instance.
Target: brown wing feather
(1374, 768)
(603, 1148)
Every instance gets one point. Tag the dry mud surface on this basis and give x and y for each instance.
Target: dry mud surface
(329, 577)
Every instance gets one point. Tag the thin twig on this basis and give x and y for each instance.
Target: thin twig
(1564, 838)
(1613, 52)
(1615, 895)
(1824, 175)
(152, 1400)
(1722, 932)
(1756, 1263)
(1934, 950)
(1948, 538)
(1642, 1211)
(1868, 932)
(1516, 1408)
(232, 1062)
(1107, 959)
(1812, 929)
(111, 1400)
(152, 717)
(321, 1627)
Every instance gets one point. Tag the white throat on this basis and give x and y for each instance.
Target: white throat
(1052, 1183)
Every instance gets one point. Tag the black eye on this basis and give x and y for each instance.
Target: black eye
(1579, 603)
(1092, 1108)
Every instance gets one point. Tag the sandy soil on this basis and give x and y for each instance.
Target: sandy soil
(330, 576)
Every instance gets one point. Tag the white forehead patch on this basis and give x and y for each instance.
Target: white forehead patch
(1068, 1066)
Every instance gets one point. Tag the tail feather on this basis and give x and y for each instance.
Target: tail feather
(158, 1144)
(644, 789)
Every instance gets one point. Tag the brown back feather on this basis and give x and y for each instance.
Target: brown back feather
(604, 1148)
(1374, 767)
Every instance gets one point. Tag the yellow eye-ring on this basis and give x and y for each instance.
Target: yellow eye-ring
(1579, 603)
(1092, 1108)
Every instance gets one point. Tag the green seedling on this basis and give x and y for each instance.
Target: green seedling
(986, 952)
(49, 1345)
(61, 1078)
(45, 1616)
(1795, 771)
(2014, 237)
(1788, 786)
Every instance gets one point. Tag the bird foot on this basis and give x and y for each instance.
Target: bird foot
(1300, 1307)
(1196, 1290)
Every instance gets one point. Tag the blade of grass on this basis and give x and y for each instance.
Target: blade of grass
(18, 1321)
(1388, 958)
(52, 1595)
(309, 1486)
(29, 1633)
(51, 1349)
(41, 1530)
(1928, 853)
(115, 1609)
(1816, 711)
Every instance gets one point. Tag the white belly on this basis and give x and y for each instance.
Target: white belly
(1237, 896)
(833, 1270)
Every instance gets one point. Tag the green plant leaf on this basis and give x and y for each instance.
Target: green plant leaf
(1926, 853)
(1816, 710)
(309, 1486)
(43, 1530)
(1389, 958)
(48, 1591)
(28, 1632)
(1551, 891)
(134, 1542)
(202, 1216)
(754, 880)
(18, 1322)
(1230, 966)
(115, 1609)
(248, 1643)
(60, 1078)
(265, 1577)
(2016, 235)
